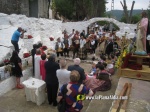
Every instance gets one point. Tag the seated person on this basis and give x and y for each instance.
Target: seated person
(101, 83)
(93, 70)
(102, 58)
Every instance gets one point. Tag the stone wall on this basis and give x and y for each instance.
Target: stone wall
(10, 6)
(25, 7)
(43, 8)
(22, 7)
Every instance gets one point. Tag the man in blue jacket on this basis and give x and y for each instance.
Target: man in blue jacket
(15, 38)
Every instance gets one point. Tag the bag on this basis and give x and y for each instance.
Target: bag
(61, 106)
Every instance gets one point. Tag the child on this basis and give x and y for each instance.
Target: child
(102, 58)
(93, 70)
(42, 68)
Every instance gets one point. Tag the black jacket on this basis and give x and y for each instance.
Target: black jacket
(51, 67)
(80, 70)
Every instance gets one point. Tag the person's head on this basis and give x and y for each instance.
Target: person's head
(77, 61)
(99, 67)
(93, 65)
(39, 45)
(38, 51)
(34, 46)
(103, 76)
(82, 37)
(63, 63)
(144, 14)
(19, 29)
(58, 40)
(105, 65)
(51, 57)
(74, 76)
(14, 56)
(112, 56)
(103, 57)
(43, 56)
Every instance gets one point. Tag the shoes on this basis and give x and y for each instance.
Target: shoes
(19, 86)
(50, 103)
(54, 104)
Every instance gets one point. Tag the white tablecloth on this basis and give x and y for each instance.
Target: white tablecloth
(35, 90)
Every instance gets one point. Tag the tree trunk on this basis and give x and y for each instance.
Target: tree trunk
(130, 17)
(125, 10)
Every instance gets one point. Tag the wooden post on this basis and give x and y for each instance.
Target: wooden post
(124, 105)
(117, 102)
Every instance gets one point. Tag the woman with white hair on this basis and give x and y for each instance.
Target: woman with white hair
(78, 68)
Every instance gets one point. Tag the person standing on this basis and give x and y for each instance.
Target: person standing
(17, 68)
(15, 38)
(66, 45)
(63, 74)
(37, 59)
(42, 68)
(33, 52)
(51, 79)
(76, 44)
(71, 93)
(82, 50)
(59, 47)
(78, 68)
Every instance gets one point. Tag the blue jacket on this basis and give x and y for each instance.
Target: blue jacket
(15, 36)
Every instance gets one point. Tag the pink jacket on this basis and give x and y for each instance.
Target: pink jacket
(42, 69)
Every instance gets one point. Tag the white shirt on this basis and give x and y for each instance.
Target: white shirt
(63, 76)
(92, 42)
(37, 59)
(82, 42)
(61, 45)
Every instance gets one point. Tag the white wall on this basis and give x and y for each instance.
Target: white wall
(82, 25)
(10, 83)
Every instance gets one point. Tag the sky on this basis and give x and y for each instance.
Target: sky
(139, 4)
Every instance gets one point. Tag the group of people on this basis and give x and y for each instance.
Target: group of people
(66, 83)
(72, 79)
(81, 43)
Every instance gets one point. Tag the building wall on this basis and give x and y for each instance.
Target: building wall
(25, 7)
(43, 8)
(22, 7)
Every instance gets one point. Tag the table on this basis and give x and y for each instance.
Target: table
(35, 90)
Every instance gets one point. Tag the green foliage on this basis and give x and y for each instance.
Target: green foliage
(64, 7)
(148, 13)
(79, 9)
(102, 23)
(123, 19)
(135, 19)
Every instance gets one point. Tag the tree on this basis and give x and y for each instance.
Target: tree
(128, 17)
(79, 9)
